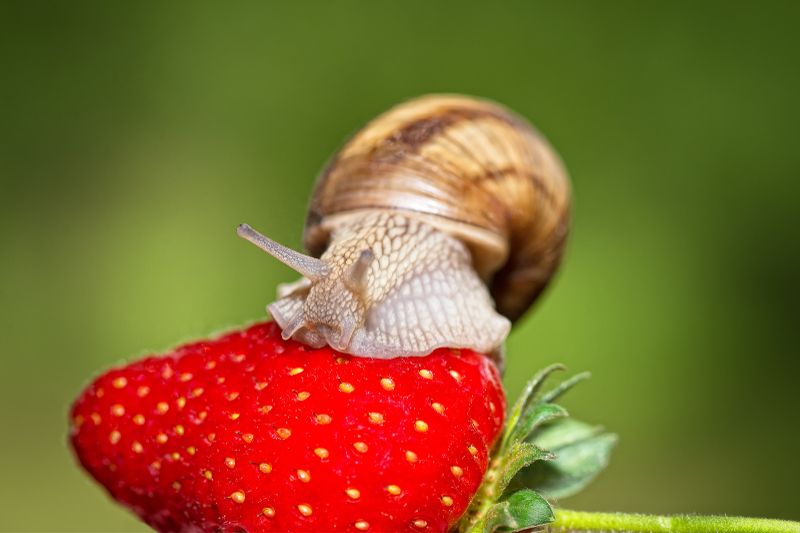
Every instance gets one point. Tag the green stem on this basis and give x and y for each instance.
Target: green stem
(567, 520)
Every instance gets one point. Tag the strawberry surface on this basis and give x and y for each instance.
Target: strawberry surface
(252, 432)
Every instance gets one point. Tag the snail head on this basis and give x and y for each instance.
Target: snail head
(329, 304)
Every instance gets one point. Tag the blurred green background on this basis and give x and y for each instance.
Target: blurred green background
(135, 136)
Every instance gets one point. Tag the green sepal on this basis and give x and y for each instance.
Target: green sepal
(563, 387)
(535, 416)
(527, 394)
(522, 510)
(521, 455)
(520, 475)
(563, 432)
(581, 453)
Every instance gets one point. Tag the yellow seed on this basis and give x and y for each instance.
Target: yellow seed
(295, 371)
(100, 392)
(427, 374)
(202, 415)
(346, 387)
(265, 409)
(179, 430)
(269, 512)
(176, 485)
(138, 420)
(142, 391)
(447, 501)
(191, 450)
(137, 447)
(303, 476)
(376, 418)
(322, 453)
(387, 384)
(411, 457)
(304, 509)
(284, 433)
(220, 380)
(248, 437)
(208, 475)
(394, 490)
(439, 408)
(302, 396)
(362, 525)
(360, 447)
(421, 524)
(238, 496)
(472, 449)
(234, 416)
(230, 462)
(119, 383)
(238, 358)
(155, 465)
(211, 365)
(265, 468)
(186, 377)
(161, 438)
(261, 385)
(492, 408)
(181, 402)
(211, 437)
(323, 419)
(117, 410)
(176, 456)
(420, 426)
(231, 396)
(456, 375)
(95, 418)
(352, 493)
(162, 407)
(457, 471)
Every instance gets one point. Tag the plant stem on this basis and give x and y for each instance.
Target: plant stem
(567, 520)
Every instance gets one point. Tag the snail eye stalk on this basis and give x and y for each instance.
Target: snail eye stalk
(310, 267)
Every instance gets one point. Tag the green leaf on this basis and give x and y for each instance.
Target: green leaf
(521, 455)
(564, 386)
(535, 416)
(522, 510)
(575, 466)
(525, 396)
(562, 432)
(528, 509)
(497, 517)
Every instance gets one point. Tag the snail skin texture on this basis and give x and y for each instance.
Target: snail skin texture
(436, 225)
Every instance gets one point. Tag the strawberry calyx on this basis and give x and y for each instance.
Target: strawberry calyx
(542, 455)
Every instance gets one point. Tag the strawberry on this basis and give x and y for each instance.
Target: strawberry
(251, 432)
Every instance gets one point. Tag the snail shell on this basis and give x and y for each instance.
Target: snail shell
(469, 167)
(452, 203)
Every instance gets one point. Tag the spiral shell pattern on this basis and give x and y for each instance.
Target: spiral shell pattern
(467, 166)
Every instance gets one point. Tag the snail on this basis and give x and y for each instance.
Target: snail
(436, 225)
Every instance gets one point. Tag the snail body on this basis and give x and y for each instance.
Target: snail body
(438, 224)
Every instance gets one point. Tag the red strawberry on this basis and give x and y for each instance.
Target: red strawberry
(256, 433)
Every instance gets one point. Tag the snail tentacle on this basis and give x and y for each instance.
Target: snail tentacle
(308, 266)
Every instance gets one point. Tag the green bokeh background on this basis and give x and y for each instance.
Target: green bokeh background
(135, 136)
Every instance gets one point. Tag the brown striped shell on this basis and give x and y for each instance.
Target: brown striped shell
(469, 167)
